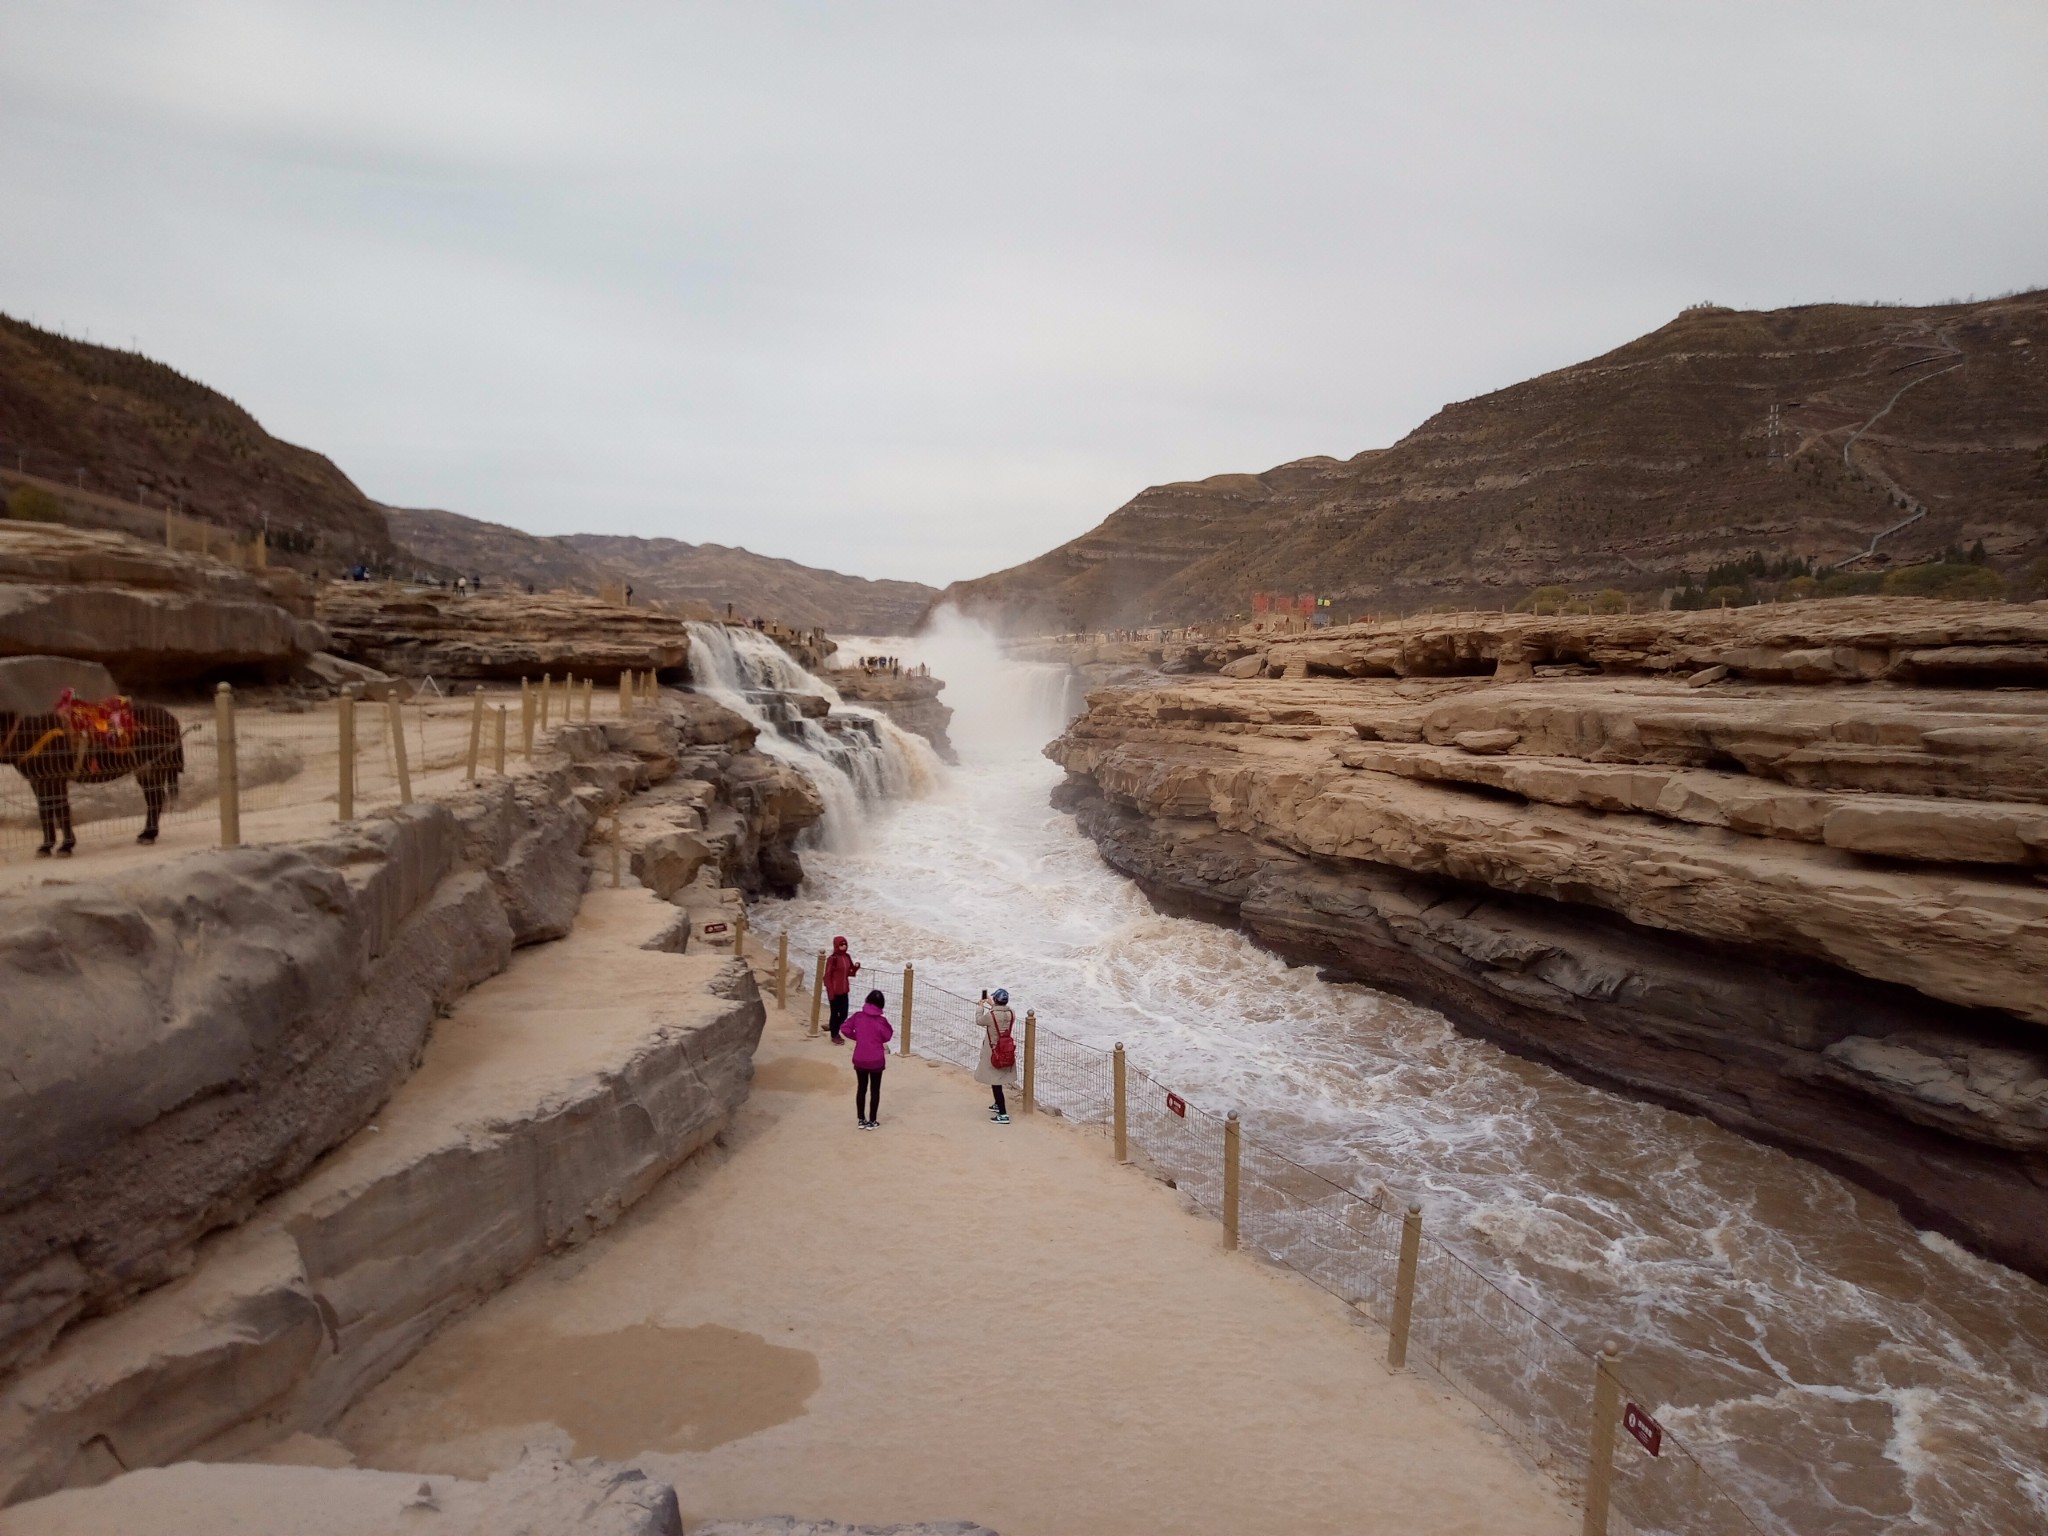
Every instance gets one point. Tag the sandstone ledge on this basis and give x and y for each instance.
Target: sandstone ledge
(548, 1102)
(1813, 914)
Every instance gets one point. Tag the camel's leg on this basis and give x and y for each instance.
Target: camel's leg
(70, 842)
(153, 797)
(46, 813)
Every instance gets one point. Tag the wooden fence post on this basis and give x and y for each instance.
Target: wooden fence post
(226, 766)
(817, 995)
(625, 694)
(1233, 1150)
(345, 789)
(1118, 1119)
(498, 742)
(397, 714)
(739, 936)
(1600, 1458)
(1030, 1060)
(525, 720)
(589, 693)
(1404, 1288)
(909, 993)
(615, 850)
(782, 973)
(476, 730)
(546, 680)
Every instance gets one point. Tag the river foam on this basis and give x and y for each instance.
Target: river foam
(1834, 1368)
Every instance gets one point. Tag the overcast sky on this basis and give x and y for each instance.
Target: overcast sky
(923, 289)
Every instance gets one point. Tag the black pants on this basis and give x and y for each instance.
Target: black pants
(838, 1013)
(867, 1093)
(1001, 1107)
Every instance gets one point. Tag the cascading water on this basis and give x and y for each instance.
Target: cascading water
(1840, 1372)
(853, 756)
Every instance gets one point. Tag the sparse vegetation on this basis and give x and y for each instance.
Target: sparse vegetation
(33, 504)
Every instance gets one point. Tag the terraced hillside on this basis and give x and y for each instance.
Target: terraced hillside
(1797, 434)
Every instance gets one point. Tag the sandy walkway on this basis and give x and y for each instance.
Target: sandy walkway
(947, 1319)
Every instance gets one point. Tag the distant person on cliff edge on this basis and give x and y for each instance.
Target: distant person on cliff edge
(871, 1034)
(839, 973)
(998, 1067)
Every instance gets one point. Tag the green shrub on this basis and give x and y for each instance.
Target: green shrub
(1732, 597)
(1610, 600)
(1945, 578)
(1798, 587)
(33, 504)
(1544, 600)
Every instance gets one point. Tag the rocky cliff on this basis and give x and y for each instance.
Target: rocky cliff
(912, 702)
(1795, 434)
(1782, 867)
(762, 586)
(499, 634)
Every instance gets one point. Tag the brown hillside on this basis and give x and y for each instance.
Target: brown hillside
(798, 595)
(503, 556)
(120, 426)
(1628, 471)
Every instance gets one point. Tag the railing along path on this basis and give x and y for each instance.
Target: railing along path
(1570, 1409)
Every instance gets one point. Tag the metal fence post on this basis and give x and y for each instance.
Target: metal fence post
(782, 972)
(345, 788)
(476, 730)
(817, 995)
(1404, 1288)
(1030, 1060)
(498, 742)
(909, 992)
(397, 713)
(1600, 1459)
(1123, 1154)
(226, 767)
(1232, 1152)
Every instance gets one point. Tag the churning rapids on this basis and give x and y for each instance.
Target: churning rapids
(1837, 1371)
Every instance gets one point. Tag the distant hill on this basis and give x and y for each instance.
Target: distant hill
(710, 575)
(124, 429)
(1634, 470)
(800, 595)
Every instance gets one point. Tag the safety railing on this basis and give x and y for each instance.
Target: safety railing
(1572, 1411)
(218, 763)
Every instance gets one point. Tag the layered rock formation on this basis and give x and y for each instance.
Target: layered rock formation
(1780, 867)
(152, 617)
(205, 1242)
(759, 586)
(1798, 433)
(499, 634)
(912, 702)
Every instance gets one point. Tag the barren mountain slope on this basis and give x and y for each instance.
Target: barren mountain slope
(503, 556)
(798, 595)
(1655, 460)
(126, 422)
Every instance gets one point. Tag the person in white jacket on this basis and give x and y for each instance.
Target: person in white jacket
(998, 1068)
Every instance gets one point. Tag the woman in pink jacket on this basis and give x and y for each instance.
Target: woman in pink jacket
(870, 1033)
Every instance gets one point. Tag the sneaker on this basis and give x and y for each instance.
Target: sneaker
(1002, 1119)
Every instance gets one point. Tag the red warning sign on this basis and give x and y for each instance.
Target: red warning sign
(1648, 1432)
(1177, 1104)
(710, 928)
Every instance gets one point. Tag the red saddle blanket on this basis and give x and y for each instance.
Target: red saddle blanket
(105, 726)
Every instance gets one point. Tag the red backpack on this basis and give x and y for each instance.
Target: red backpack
(1002, 1052)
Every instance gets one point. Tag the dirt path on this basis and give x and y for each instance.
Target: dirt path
(947, 1319)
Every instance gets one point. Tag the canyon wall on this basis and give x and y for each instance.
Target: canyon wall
(912, 702)
(1782, 867)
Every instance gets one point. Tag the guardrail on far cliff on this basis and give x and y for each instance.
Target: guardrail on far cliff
(1562, 1405)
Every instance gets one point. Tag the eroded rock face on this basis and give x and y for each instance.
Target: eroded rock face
(499, 634)
(180, 1044)
(912, 702)
(152, 617)
(1811, 912)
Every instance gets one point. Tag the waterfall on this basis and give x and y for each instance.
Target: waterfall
(853, 756)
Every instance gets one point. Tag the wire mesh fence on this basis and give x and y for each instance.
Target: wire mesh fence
(288, 758)
(1493, 1347)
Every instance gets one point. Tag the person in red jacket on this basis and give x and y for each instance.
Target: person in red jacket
(840, 970)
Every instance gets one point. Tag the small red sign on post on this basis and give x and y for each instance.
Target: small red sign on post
(1648, 1432)
(710, 928)
(1177, 1104)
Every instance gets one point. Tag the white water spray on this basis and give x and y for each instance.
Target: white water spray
(854, 756)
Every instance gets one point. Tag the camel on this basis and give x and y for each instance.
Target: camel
(49, 751)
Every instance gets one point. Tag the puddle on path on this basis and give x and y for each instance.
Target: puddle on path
(793, 1074)
(641, 1388)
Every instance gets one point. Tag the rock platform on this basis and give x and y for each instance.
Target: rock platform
(1783, 867)
(500, 633)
